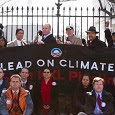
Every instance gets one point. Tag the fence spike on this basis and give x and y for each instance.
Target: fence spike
(32, 8)
(17, 8)
(75, 8)
(93, 9)
(52, 8)
(2, 9)
(27, 8)
(87, 8)
(7, 8)
(12, 8)
(22, 8)
(37, 8)
(69, 8)
(47, 8)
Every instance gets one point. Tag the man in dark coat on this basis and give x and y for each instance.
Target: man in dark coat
(47, 94)
(47, 37)
(27, 84)
(109, 37)
(98, 101)
(3, 84)
(93, 41)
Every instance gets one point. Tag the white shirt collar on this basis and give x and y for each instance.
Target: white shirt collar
(1, 81)
(46, 35)
(99, 94)
(15, 91)
(20, 43)
(24, 82)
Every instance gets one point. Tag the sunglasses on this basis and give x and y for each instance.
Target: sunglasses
(46, 72)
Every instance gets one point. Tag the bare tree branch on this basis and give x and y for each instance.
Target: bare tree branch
(5, 2)
(113, 1)
(106, 11)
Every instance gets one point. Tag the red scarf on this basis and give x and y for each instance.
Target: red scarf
(45, 93)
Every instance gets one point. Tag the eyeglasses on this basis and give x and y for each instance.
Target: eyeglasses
(46, 72)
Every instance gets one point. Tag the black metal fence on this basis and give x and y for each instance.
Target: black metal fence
(32, 19)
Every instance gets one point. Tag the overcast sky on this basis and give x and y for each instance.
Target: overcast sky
(78, 3)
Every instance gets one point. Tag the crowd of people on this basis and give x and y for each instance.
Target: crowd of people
(45, 37)
(24, 97)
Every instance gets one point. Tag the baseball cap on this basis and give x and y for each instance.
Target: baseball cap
(69, 27)
(113, 33)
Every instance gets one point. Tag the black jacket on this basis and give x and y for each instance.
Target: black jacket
(49, 39)
(90, 103)
(79, 97)
(111, 89)
(4, 86)
(96, 43)
(108, 37)
(30, 87)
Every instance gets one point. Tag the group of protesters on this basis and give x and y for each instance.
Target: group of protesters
(24, 97)
(45, 37)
